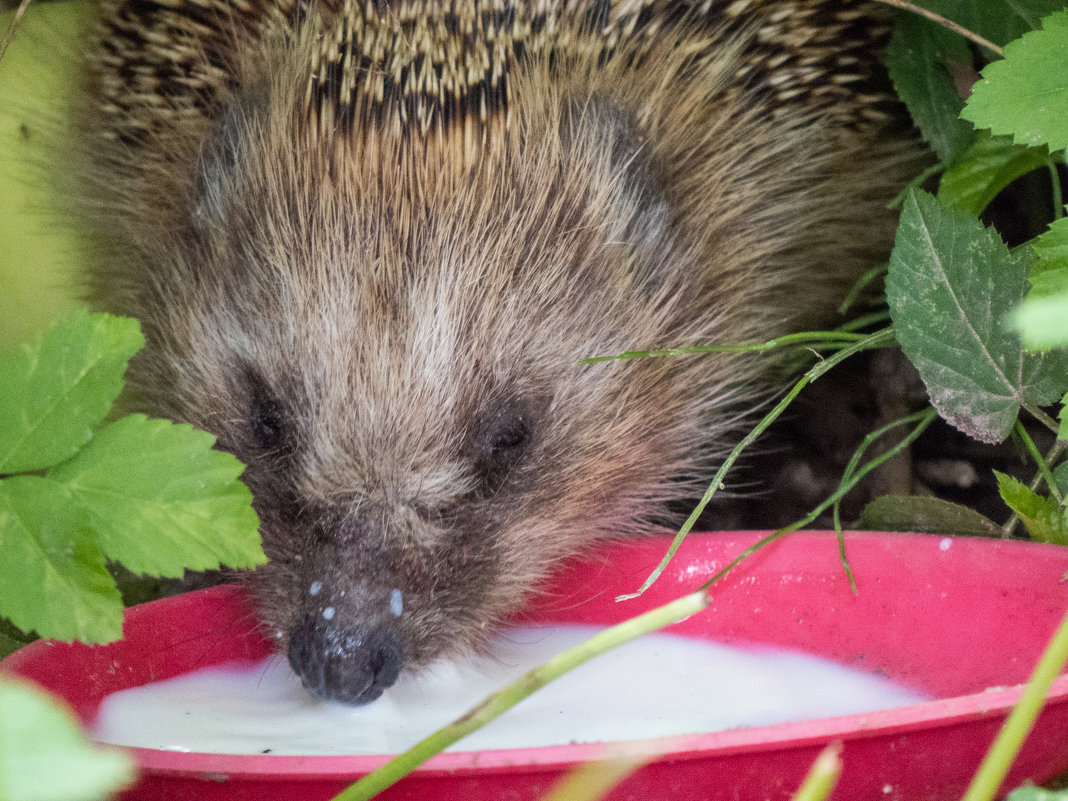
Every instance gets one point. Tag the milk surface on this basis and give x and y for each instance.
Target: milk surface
(655, 686)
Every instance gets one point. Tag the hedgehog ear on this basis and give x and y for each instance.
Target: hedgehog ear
(605, 136)
(221, 159)
(215, 171)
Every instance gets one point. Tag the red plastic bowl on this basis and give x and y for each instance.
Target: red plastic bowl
(962, 619)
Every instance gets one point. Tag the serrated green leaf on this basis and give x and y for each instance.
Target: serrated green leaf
(950, 286)
(1043, 517)
(986, 168)
(1051, 247)
(53, 393)
(161, 500)
(53, 578)
(919, 60)
(44, 756)
(1000, 21)
(1025, 94)
(1049, 283)
(926, 515)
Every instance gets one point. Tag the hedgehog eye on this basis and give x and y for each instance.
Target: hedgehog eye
(266, 422)
(503, 441)
(509, 434)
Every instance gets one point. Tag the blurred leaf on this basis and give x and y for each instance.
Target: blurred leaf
(1042, 318)
(1025, 94)
(54, 391)
(41, 260)
(1037, 794)
(986, 168)
(162, 500)
(1042, 321)
(918, 59)
(926, 515)
(950, 287)
(53, 578)
(1043, 517)
(44, 756)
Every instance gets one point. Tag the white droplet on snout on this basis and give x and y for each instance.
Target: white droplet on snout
(328, 613)
(315, 588)
(945, 544)
(396, 602)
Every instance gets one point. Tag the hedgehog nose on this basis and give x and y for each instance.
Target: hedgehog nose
(353, 667)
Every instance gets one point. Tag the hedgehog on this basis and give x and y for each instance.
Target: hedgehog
(372, 244)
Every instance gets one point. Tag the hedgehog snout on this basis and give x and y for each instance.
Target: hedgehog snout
(352, 666)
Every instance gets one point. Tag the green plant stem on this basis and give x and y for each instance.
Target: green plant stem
(821, 339)
(503, 700)
(1058, 197)
(915, 183)
(919, 417)
(865, 320)
(924, 418)
(822, 776)
(928, 416)
(947, 24)
(9, 33)
(1018, 725)
(860, 285)
(1040, 461)
(879, 339)
(1042, 417)
(592, 780)
(1054, 454)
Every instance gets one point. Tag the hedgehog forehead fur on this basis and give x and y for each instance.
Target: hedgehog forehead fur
(370, 244)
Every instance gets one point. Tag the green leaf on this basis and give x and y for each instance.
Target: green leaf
(53, 393)
(1025, 94)
(1000, 21)
(987, 167)
(919, 58)
(1049, 284)
(53, 578)
(1043, 517)
(1037, 794)
(161, 500)
(926, 515)
(1060, 478)
(950, 286)
(1051, 247)
(44, 756)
